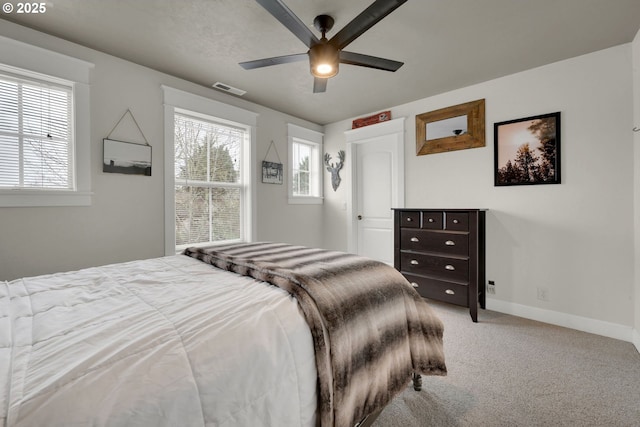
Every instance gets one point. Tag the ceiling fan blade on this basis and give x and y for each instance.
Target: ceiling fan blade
(319, 85)
(369, 61)
(287, 18)
(367, 19)
(276, 60)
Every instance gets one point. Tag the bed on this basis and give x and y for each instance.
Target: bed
(237, 335)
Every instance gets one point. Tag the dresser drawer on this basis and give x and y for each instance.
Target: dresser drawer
(410, 219)
(432, 220)
(442, 267)
(453, 293)
(434, 241)
(457, 221)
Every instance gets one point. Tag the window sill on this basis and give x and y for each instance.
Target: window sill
(305, 200)
(180, 248)
(39, 198)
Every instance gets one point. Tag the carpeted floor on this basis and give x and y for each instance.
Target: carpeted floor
(510, 371)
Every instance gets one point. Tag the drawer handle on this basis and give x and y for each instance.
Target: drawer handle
(430, 219)
(414, 284)
(449, 267)
(415, 239)
(414, 262)
(409, 219)
(455, 221)
(449, 292)
(450, 243)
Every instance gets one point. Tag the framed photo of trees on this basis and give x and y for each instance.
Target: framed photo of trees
(527, 151)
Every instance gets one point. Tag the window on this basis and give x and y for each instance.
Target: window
(36, 146)
(302, 152)
(44, 128)
(208, 180)
(305, 167)
(208, 174)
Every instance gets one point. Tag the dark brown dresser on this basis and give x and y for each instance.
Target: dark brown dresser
(442, 253)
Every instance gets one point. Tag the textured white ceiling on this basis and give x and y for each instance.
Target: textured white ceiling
(445, 44)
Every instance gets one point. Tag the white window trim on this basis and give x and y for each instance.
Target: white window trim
(176, 100)
(308, 136)
(24, 59)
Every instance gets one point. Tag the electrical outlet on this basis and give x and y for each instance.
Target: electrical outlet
(543, 294)
(491, 287)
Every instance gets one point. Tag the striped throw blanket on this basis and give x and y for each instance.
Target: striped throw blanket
(370, 328)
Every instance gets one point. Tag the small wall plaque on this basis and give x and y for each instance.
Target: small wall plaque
(371, 120)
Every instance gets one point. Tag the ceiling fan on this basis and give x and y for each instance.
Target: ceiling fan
(325, 55)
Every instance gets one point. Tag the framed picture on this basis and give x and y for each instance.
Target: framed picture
(271, 172)
(452, 128)
(126, 157)
(527, 151)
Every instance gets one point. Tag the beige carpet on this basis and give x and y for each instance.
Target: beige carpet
(509, 371)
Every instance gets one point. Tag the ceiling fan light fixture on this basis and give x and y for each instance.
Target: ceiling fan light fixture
(324, 60)
(324, 55)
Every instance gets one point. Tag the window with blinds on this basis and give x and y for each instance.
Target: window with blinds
(36, 138)
(208, 180)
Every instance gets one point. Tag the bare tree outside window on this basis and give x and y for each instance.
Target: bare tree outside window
(208, 181)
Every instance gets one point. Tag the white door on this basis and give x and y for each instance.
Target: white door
(378, 186)
(374, 199)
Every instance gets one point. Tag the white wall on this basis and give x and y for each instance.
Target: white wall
(636, 146)
(126, 220)
(574, 239)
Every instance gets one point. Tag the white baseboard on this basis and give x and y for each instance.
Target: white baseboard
(585, 324)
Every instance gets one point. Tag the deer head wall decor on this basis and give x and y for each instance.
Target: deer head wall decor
(334, 168)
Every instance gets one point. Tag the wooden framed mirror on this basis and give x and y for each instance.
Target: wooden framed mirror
(453, 128)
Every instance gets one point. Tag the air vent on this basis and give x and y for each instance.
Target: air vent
(230, 89)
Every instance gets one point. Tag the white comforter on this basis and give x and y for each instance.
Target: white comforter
(163, 342)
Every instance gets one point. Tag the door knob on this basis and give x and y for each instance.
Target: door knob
(359, 217)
